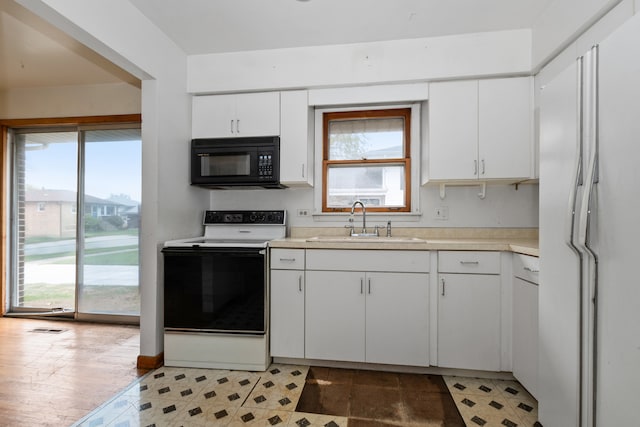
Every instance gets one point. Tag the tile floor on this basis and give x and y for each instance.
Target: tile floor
(176, 397)
(484, 402)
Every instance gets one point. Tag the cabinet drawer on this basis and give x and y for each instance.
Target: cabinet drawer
(477, 262)
(526, 267)
(287, 259)
(368, 260)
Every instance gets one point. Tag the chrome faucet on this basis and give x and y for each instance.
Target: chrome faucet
(364, 220)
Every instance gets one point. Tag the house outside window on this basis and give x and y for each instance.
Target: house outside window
(366, 157)
(41, 206)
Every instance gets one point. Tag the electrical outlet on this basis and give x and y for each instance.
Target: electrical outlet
(442, 213)
(302, 212)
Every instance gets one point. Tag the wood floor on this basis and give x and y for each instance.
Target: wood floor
(54, 379)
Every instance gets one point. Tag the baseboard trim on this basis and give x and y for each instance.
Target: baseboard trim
(150, 362)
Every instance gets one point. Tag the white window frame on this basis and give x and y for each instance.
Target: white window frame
(414, 148)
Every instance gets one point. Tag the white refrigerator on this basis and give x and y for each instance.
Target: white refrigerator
(589, 294)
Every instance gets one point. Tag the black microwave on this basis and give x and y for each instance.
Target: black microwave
(236, 162)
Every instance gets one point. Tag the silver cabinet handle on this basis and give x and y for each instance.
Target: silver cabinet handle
(231, 127)
(531, 270)
(482, 166)
(469, 262)
(475, 167)
(443, 284)
(237, 125)
(303, 170)
(300, 283)
(369, 286)
(361, 285)
(287, 259)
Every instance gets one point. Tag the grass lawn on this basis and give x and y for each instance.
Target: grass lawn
(121, 255)
(95, 299)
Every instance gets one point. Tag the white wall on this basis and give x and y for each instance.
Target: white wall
(468, 55)
(504, 206)
(561, 22)
(170, 207)
(593, 35)
(70, 101)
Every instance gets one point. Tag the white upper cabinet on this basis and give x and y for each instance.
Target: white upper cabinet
(505, 128)
(237, 115)
(453, 130)
(480, 130)
(296, 139)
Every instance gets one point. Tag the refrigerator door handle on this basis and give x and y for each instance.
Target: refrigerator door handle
(589, 315)
(591, 177)
(577, 168)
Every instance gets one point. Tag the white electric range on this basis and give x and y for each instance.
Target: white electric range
(216, 292)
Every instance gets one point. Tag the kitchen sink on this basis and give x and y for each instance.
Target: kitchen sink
(365, 239)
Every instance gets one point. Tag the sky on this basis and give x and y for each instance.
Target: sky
(111, 168)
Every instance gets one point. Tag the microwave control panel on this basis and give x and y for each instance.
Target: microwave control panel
(265, 165)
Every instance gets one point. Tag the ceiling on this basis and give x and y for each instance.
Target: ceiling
(34, 53)
(205, 26)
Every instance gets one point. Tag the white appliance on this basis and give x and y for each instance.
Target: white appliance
(216, 292)
(589, 300)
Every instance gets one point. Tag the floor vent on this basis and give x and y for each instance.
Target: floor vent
(48, 330)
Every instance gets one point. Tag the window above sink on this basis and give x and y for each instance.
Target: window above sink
(370, 153)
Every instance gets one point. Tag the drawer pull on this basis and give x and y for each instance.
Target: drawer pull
(469, 262)
(531, 270)
(300, 283)
(287, 259)
(361, 285)
(442, 286)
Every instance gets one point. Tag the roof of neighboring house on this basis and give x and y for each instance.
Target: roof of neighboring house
(46, 195)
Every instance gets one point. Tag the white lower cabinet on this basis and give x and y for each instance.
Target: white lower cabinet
(367, 316)
(397, 318)
(469, 310)
(287, 303)
(525, 321)
(335, 316)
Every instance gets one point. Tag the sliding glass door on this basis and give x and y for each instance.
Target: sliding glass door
(45, 221)
(76, 206)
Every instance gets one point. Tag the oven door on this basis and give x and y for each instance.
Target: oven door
(218, 290)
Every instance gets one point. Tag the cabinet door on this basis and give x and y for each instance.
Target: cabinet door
(505, 128)
(296, 159)
(335, 315)
(258, 114)
(287, 313)
(453, 130)
(397, 313)
(469, 321)
(525, 334)
(213, 116)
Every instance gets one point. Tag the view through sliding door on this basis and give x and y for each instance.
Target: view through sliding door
(76, 210)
